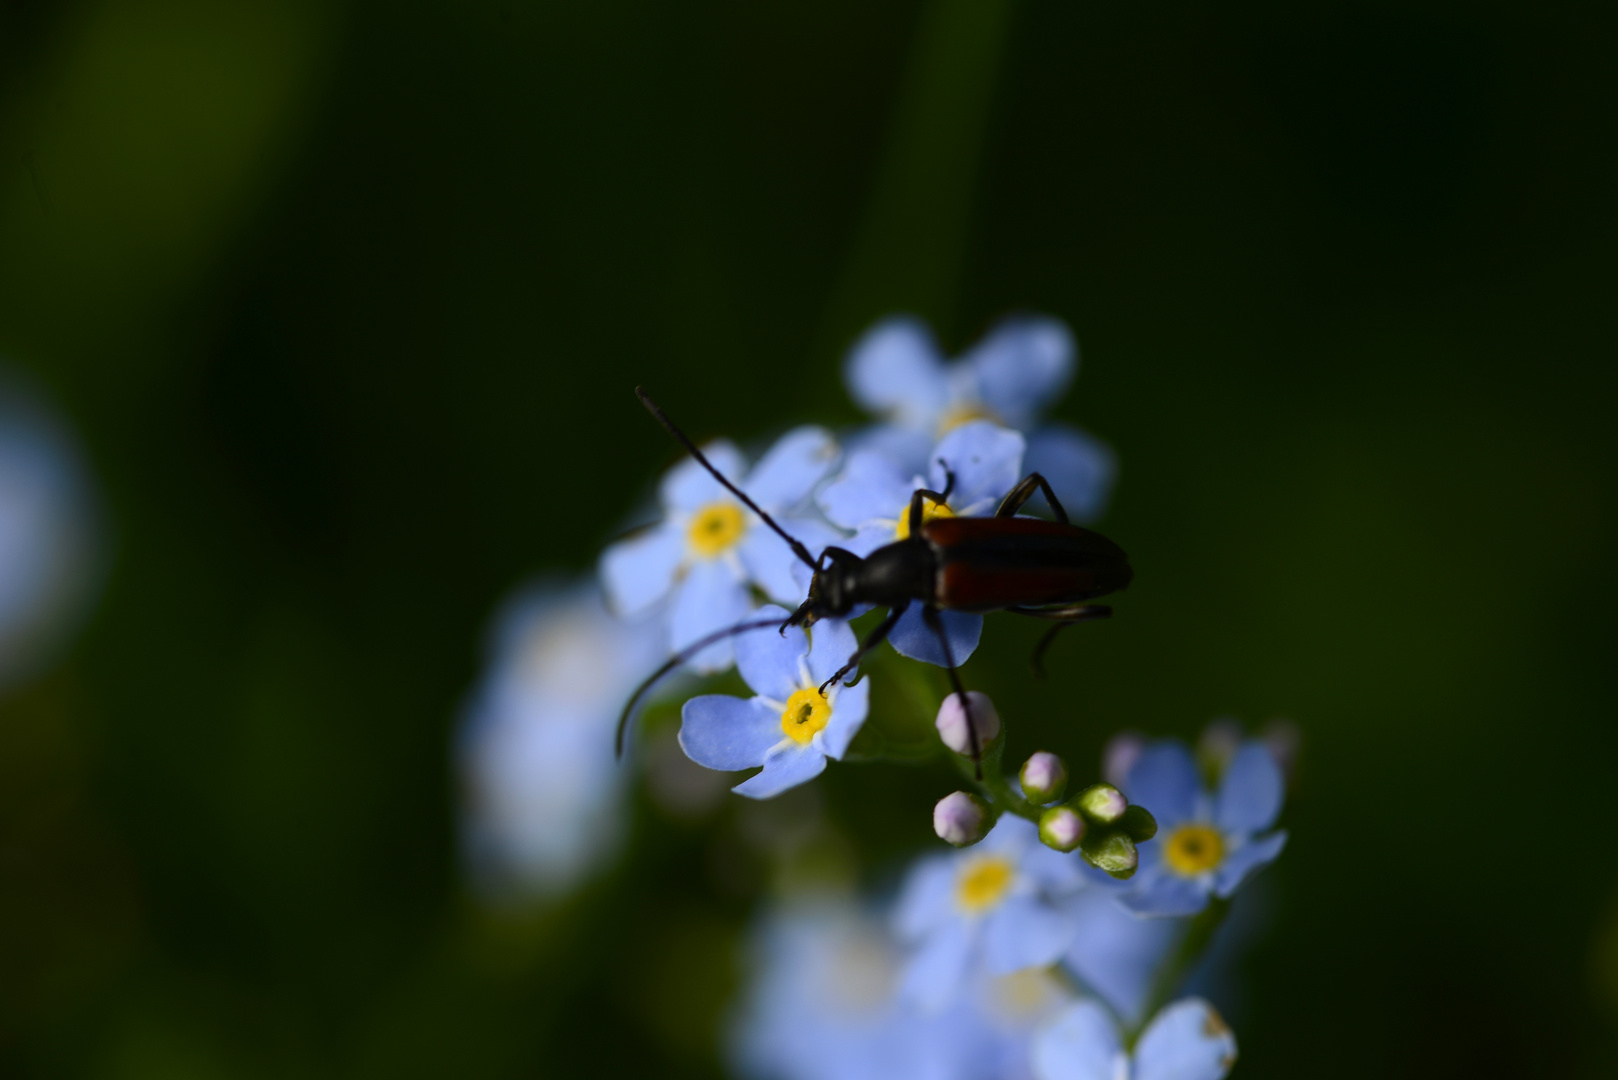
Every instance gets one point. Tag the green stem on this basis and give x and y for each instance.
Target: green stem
(1191, 948)
(994, 786)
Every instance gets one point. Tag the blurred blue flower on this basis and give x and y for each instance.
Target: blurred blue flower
(50, 533)
(1207, 842)
(822, 1004)
(1187, 1040)
(872, 497)
(709, 549)
(991, 908)
(1115, 954)
(788, 728)
(543, 793)
(1019, 368)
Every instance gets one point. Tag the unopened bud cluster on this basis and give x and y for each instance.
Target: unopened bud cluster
(1102, 826)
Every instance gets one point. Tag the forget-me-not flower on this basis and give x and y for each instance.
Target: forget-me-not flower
(789, 727)
(544, 794)
(50, 535)
(1207, 842)
(1115, 954)
(710, 550)
(990, 908)
(1187, 1040)
(1019, 368)
(871, 496)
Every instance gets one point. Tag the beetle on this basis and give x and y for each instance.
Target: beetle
(1027, 566)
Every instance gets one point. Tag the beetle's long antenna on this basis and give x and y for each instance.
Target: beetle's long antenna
(691, 448)
(675, 661)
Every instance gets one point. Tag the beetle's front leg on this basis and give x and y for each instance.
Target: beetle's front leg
(872, 640)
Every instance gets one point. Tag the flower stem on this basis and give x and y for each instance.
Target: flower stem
(1198, 936)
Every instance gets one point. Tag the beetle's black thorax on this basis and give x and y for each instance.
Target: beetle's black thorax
(901, 571)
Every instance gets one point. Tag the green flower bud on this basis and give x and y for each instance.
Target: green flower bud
(1112, 850)
(1061, 828)
(1139, 823)
(1101, 803)
(1043, 778)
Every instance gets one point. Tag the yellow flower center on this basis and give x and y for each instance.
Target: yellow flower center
(983, 883)
(1192, 850)
(806, 713)
(715, 528)
(964, 413)
(929, 510)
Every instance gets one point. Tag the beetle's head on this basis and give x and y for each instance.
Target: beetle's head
(831, 591)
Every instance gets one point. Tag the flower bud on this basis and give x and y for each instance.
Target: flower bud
(1112, 851)
(1139, 823)
(1101, 803)
(1120, 755)
(1061, 828)
(960, 819)
(952, 722)
(1043, 778)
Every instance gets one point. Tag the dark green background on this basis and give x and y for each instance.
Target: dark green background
(347, 303)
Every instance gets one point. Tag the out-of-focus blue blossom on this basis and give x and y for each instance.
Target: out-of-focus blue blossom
(544, 795)
(1019, 368)
(710, 550)
(1115, 954)
(50, 536)
(872, 497)
(822, 1004)
(1207, 842)
(1187, 1040)
(788, 727)
(993, 908)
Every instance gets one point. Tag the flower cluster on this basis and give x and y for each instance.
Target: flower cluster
(1010, 959)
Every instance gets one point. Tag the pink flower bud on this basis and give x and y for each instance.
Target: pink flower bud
(960, 818)
(952, 722)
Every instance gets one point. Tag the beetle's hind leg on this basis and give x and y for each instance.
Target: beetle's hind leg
(1064, 617)
(929, 615)
(1024, 491)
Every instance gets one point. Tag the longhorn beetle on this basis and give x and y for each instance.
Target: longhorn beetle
(1027, 566)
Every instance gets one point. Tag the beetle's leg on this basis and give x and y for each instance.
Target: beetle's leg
(872, 640)
(1025, 491)
(916, 498)
(1064, 618)
(949, 480)
(929, 615)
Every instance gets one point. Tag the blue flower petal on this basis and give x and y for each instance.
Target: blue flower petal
(987, 462)
(847, 717)
(768, 659)
(934, 974)
(1056, 873)
(718, 731)
(1187, 1040)
(1164, 780)
(783, 769)
(638, 572)
(789, 470)
(1080, 1044)
(927, 900)
(709, 599)
(831, 643)
(1023, 364)
(1251, 791)
(869, 538)
(770, 563)
(1115, 953)
(907, 447)
(1022, 933)
(1164, 894)
(1081, 468)
(912, 637)
(895, 370)
(1251, 856)
(870, 486)
(688, 485)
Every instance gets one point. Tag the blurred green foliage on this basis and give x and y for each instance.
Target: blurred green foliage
(347, 302)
